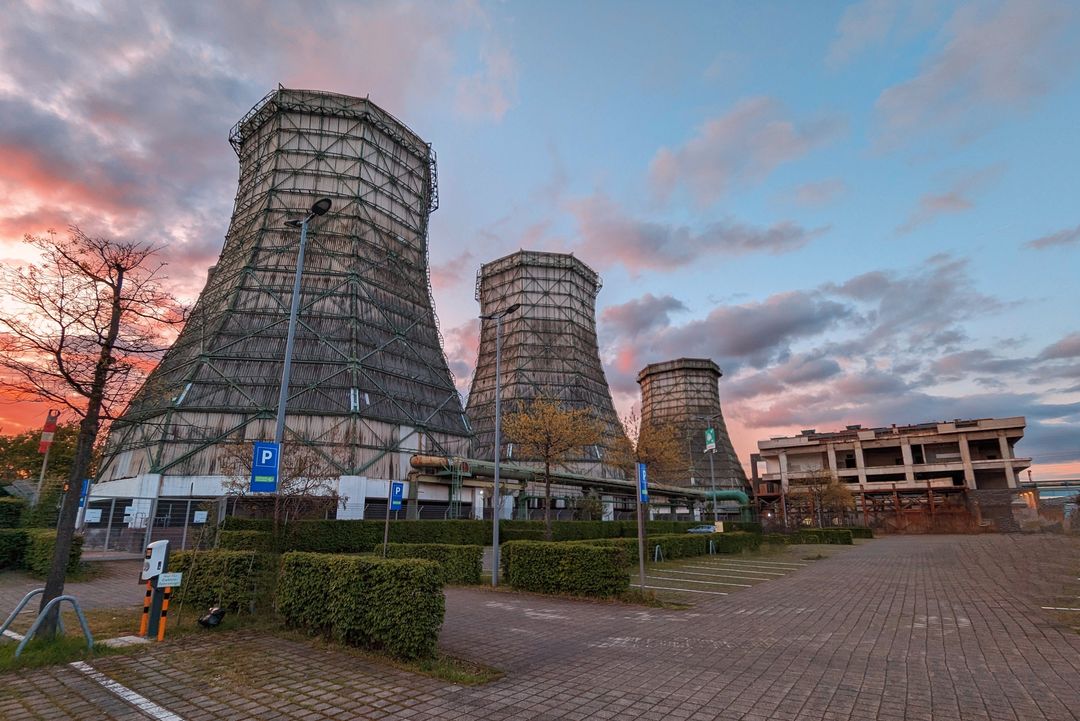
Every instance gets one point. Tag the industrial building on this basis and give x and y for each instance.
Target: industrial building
(369, 386)
(548, 349)
(946, 475)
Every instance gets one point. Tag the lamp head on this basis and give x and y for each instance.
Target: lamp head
(321, 206)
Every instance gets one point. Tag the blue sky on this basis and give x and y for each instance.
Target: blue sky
(865, 212)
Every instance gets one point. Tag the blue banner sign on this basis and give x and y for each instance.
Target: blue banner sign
(643, 483)
(264, 467)
(397, 492)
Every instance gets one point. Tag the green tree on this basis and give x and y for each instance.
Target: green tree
(20, 460)
(544, 430)
(81, 328)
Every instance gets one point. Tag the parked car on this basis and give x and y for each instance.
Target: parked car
(707, 528)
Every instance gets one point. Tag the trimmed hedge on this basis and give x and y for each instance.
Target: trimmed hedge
(834, 536)
(684, 545)
(459, 564)
(860, 531)
(11, 512)
(236, 580)
(575, 568)
(246, 541)
(392, 604)
(12, 547)
(40, 546)
(333, 536)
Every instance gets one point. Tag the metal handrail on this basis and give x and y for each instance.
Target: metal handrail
(22, 604)
(45, 612)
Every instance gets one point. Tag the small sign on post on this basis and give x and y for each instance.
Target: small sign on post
(642, 500)
(170, 580)
(393, 503)
(710, 440)
(264, 467)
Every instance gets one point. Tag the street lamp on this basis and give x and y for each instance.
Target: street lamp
(496, 495)
(318, 208)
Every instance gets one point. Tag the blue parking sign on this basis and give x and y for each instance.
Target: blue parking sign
(643, 483)
(264, 467)
(397, 492)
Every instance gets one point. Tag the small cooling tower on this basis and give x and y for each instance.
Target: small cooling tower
(683, 394)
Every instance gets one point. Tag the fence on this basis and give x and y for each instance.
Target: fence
(127, 525)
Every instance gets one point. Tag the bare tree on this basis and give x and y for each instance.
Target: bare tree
(305, 479)
(545, 430)
(818, 493)
(658, 447)
(82, 327)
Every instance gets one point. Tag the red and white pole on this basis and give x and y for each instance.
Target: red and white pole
(44, 446)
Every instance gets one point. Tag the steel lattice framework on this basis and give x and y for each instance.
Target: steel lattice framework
(684, 394)
(549, 349)
(369, 380)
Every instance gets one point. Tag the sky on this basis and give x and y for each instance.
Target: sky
(863, 212)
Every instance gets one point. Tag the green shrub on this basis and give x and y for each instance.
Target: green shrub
(684, 545)
(232, 523)
(246, 541)
(575, 568)
(391, 604)
(824, 535)
(12, 547)
(459, 564)
(11, 512)
(236, 580)
(859, 531)
(777, 539)
(40, 546)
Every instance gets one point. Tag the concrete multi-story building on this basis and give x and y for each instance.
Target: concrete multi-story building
(899, 469)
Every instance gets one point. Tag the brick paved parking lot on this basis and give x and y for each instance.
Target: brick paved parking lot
(903, 628)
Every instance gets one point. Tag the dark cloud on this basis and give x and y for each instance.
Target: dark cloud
(609, 234)
(640, 315)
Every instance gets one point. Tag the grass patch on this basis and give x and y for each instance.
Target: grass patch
(648, 597)
(815, 557)
(41, 652)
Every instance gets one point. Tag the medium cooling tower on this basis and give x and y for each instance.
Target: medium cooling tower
(683, 394)
(369, 383)
(549, 349)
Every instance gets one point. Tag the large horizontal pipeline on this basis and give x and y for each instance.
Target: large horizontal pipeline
(523, 473)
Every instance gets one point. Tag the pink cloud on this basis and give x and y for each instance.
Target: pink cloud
(742, 147)
(1068, 236)
(1000, 56)
(955, 199)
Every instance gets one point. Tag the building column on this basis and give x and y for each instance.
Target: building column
(1010, 474)
(909, 461)
(783, 472)
(965, 457)
(831, 451)
(860, 464)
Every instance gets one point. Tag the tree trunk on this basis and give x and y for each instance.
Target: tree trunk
(84, 446)
(547, 502)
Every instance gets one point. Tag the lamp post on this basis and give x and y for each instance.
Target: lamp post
(496, 491)
(318, 208)
(712, 471)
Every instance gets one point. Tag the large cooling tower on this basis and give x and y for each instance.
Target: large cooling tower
(549, 349)
(683, 394)
(369, 381)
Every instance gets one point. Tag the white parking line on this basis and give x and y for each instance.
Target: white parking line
(738, 570)
(1050, 608)
(765, 563)
(686, 590)
(140, 702)
(708, 575)
(688, 580)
